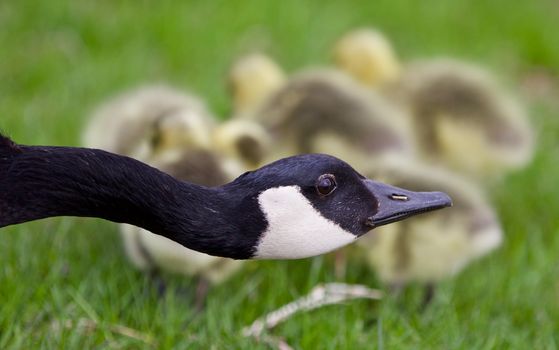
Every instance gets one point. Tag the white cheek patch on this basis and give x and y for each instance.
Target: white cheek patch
(295, 228)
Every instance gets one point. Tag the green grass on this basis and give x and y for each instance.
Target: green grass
(58, 60)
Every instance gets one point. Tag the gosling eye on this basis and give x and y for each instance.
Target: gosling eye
(325, 184)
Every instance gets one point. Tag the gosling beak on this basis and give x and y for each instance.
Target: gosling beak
(395, 204)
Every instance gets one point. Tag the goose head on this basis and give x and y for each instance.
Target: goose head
(312, 204)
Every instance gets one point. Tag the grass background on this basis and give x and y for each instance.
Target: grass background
(59, 59)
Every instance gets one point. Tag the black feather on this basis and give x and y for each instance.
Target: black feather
(7, 146)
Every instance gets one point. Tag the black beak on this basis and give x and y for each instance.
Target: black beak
(395, 204)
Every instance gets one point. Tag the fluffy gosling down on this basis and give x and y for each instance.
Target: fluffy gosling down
(462, 118)
(145, 121)
(324, 111)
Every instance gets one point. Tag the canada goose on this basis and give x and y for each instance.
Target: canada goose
(293, 208)
(324, 111)
(437, 245)
(252, 78)
(461, 117)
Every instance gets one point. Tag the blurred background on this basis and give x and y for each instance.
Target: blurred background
(68, 282)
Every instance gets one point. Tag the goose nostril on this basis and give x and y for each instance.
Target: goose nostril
(399, 197)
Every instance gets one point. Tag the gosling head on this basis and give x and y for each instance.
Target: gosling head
(367, 55)
(241, 140)
(312, 204)
(182, 128)
(252, 79)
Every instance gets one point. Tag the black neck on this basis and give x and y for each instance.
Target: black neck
(41, 182)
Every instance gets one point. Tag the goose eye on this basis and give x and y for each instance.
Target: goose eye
(326, 184)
